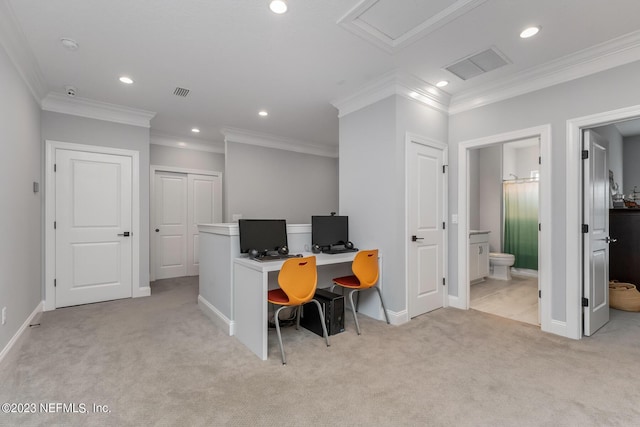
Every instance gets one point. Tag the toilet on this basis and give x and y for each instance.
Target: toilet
(500, 265)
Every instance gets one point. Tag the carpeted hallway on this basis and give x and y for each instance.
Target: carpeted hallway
(160, 361)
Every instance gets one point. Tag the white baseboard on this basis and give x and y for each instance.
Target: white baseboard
(142, 292)
(524, 272)
(216, 317)
(20, 331)
(398, 317)
(456, 302)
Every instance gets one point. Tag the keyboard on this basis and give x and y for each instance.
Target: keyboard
(274, 257)
(340, 251)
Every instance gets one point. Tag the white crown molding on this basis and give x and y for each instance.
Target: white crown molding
(394, 83)
(91, 109)
(173, 141)
(601, 57)
(351, 22)
(280, 143)
(15, 44)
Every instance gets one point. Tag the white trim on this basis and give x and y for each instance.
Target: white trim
(137, 288)
(216, 316)
(456, 302)
(15, 44)
(573, 261)
(7, 348)
(545, 261)
(269, 141)
(152, 204)
(414, 138)
(396, 317)
(352, 22)
(394, 83)
(91, 109)
(145, 291)
(174, 141)
(604, 56)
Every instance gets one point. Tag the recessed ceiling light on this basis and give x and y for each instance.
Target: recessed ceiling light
(69, 44)
(263, 113)
(278, 6)
(529, 32)
(442, 83)
(126, 80)
(195, 130)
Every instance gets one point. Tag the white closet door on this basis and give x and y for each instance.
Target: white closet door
(204, 208)
(170, 225)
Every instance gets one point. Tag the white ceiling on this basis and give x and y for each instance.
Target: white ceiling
(236, 57)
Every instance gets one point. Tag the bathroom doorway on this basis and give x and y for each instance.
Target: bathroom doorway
(485, 184)
(504, 200)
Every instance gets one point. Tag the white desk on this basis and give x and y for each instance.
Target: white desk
(251, 280)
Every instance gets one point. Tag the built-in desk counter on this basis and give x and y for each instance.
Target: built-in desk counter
(219, 246)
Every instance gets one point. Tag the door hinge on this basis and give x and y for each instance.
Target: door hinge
(585, 154)
(55, 283)
(585, 302)
(444, 225)
(444, 168)
(55, 167)
(54, 225)
(585, 228)
(539, 160)
(444, 281)
(539, 293)
(539, 227)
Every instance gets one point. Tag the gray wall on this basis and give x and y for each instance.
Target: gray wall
(605, 91)
(188, 159)
(631, 175)
(270, 183)
(79, 130)
(490, 194)
(21, 213)
(372, 146)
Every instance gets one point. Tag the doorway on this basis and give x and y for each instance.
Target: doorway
(503, 219)
(575, 267)
(92, 232)
(543, 134)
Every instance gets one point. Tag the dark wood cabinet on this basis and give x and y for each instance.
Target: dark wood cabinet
(624, 254)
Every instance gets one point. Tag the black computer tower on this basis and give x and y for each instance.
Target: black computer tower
(333, 308)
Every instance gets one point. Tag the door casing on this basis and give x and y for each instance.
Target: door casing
(545, 260)
(49, 216)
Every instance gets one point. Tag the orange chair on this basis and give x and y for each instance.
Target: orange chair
(298, 278)
(366, 272)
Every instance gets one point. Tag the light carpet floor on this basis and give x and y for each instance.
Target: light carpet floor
(158, 361)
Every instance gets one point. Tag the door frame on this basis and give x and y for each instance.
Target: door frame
(545, 259)
(574, 236)
(49, 207)
(152, 206)
(414, 138)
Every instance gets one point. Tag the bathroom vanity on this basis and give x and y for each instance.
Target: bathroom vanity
(478, 255)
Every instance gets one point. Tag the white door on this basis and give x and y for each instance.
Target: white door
(596, 233)
(170, 225)
(426, 183)
(93, 217)
(204, 208)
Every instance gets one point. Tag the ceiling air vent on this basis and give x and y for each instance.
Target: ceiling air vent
(180, 91)
(477, 64)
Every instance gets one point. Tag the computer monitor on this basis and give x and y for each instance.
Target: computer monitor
(263, 235)
(329, 230)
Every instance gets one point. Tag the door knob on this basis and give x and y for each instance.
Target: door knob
(610, 240)
(157, 230)
(125, 234)
(416, 238)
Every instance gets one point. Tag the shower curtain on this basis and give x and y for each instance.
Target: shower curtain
(521, 223)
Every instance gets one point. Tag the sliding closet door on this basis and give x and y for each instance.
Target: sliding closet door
(204, 207)
(170, 211)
